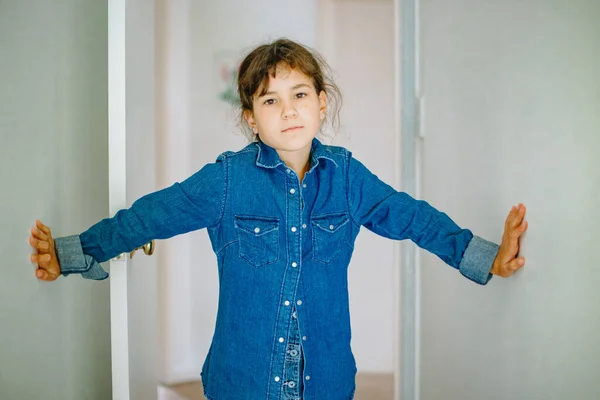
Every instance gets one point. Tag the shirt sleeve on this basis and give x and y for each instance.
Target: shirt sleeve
(193, 204)
(396, 215)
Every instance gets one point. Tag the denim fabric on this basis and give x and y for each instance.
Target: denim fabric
(280, 243)
(72, 260)
(294, 363)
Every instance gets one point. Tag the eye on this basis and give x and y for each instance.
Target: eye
(301, 95)
(269, 102)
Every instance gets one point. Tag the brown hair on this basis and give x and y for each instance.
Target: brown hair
(261, 64)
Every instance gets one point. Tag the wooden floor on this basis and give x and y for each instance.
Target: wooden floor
(368, 387)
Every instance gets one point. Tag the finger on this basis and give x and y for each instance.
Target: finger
(41, 245)
(517, 232)
(516, 264)
(44, 275)
(43, 227)
(38, 234)
(516, 216)
(33, 242)
(524, 226)
(42, 260)
(510, 218)
(522, 212)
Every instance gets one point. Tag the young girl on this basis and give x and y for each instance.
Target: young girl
(282, 215)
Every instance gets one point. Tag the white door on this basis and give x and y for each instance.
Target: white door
(132, 146)
(512, 106)
(54, 166)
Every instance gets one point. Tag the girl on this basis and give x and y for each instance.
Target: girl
(282, 215)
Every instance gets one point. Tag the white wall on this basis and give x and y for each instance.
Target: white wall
(55, 337)
(512, 100)
(194, 36)
(357, 39)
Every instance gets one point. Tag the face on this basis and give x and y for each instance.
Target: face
(289, 115)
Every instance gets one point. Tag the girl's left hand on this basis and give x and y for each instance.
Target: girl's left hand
(507, 262)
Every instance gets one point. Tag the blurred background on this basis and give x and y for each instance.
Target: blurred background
(199, 46)
(482, 105)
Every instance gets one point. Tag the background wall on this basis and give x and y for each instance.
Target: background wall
(196, 39)
(357, 39)
(55, 337)
(512, 97)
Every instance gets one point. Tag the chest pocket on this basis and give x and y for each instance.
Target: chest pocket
(258, 239)
(329, 235)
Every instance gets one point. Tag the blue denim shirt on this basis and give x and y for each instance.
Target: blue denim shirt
(280, 244)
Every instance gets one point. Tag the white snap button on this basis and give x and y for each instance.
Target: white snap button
(256, 230)
(277, 379)
(294, 264)
(293, 353)
(331, 227)
(299, 302)
(281, 340)
(294, 229)
(292, 384)
(303, 226)
(303, 337)
(307, 377)
(292, 191)
(304, 185)
(287, 303)
(288, 171)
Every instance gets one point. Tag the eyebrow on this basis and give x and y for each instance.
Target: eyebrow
(298, 86)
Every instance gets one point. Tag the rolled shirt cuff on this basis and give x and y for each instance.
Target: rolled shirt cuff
(478, 259)
(73, 261)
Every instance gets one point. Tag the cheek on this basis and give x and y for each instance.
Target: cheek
(267, 116)
(311, 108)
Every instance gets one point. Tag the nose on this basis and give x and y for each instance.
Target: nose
(288, 110)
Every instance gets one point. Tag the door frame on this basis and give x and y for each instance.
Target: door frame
(408, 125)
(132, 174)
(117, 177)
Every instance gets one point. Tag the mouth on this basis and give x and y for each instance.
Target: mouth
(292, 128)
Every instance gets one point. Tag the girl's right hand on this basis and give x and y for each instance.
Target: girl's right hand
(41, 239)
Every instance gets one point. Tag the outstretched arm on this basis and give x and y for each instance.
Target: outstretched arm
(396, 215)
(190, 205)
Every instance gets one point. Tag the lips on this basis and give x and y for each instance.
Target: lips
(292, 128)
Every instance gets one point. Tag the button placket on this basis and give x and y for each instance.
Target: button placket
(290, 344)
(292, 376)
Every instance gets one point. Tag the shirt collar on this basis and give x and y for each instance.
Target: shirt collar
(267, 156)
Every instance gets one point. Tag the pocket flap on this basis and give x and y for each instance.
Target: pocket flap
(330, 222)
(256, 225)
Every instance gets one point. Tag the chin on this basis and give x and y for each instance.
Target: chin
(290, 142)
(296, 143)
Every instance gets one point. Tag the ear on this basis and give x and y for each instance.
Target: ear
(322, 104)
(249, 116)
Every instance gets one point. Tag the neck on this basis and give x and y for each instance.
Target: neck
(296, 160)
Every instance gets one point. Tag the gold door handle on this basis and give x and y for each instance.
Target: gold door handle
(148, 249)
